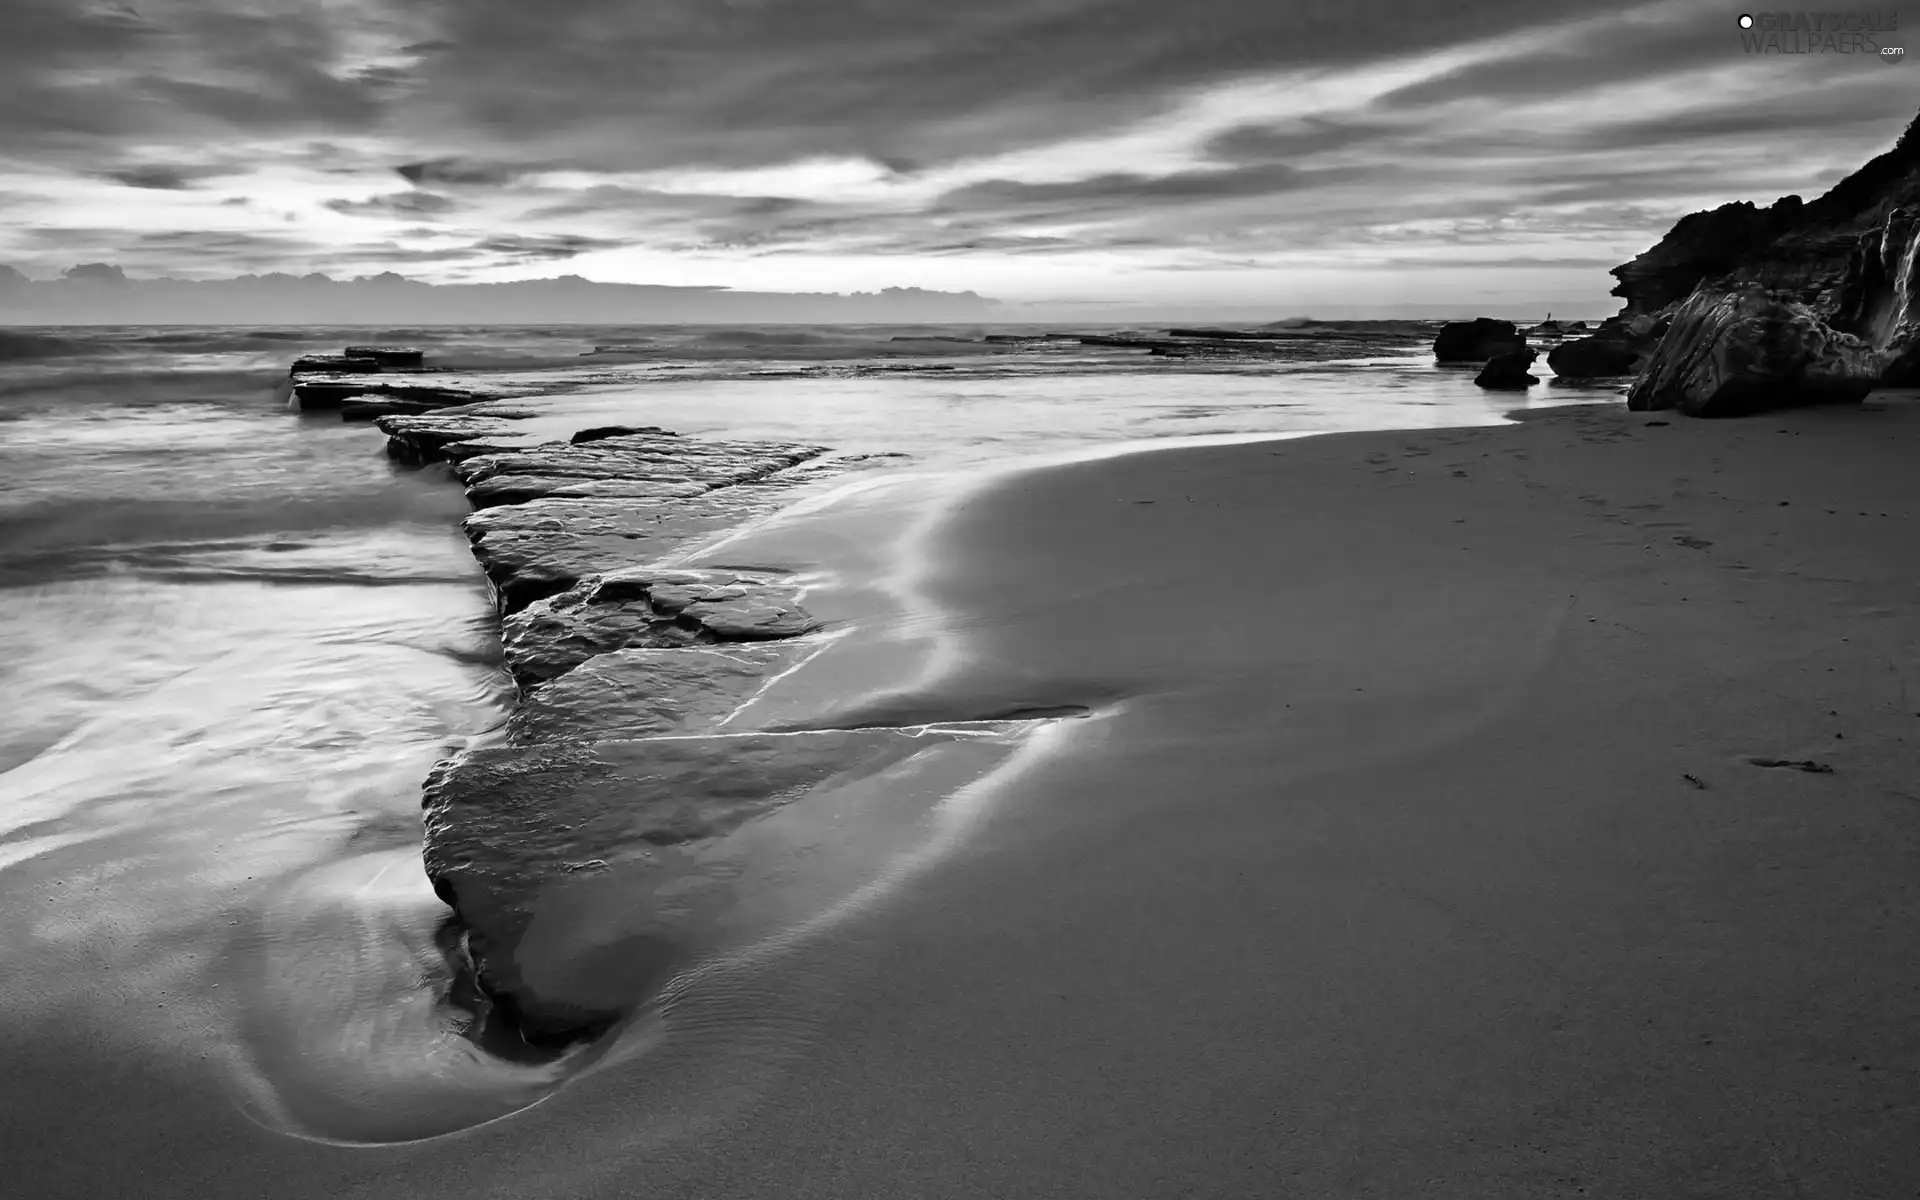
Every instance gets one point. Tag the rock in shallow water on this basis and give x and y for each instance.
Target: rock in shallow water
(600, 432)
(518, 489)
(622, 466)
(389, 356)
(648, 607)
(647, 692)
(545, 546)
(586, 872)
(423, 439)
(1476, 341)
(1735, 352)
(1508, 372)
(1615, 350)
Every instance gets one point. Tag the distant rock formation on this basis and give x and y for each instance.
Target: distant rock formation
(103, 294)
(1508, 372)
(1796, 303)
(1476, 341)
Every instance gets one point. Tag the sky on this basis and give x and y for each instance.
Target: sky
(1282, 153)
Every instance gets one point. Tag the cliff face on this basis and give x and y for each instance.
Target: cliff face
(1844, 264)
(1704, 245)
(1839, 254)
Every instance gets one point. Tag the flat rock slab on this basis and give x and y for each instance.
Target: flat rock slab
(518, 489)
(629, 457)
(732, 606)
(367, 408)
(537, 549)
(330, 391)
(646, 693)
(647, 608)
(423, 438)
(584, 872)
(550, 637)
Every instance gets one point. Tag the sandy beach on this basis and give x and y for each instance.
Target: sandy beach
(1414, 846)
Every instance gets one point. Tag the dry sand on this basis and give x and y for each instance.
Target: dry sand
(1413, 850)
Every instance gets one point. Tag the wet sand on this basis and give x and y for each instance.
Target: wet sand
(1413, 848)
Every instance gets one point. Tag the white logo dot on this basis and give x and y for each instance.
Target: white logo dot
(1746, 22)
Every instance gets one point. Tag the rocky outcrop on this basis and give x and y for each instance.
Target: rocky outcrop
(1742, 351)
(418, 440)
(1508, 372)
(1614, 350)
(1835, 277)
(586, 872)
(641, 607)
(390, 357)
(588, 846)
(335, 364)
(1476, 341)
(637, 692)
(1703, 245)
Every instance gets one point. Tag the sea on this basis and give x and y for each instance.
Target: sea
(234, 638)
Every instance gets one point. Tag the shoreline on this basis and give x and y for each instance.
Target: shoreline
(1445, 837)
(1378, 868)
(627, 654)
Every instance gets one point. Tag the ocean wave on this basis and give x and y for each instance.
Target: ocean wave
(767, 337)
(214, 341)
(19, 347)
(148, 384)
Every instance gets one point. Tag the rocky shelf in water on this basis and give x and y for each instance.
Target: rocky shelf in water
(365, 382)
(586, 845)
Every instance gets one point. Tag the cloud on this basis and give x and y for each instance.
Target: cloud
(702, 135)
(162, 177)
(548, 247)
(459, 172)
(918, 82)
(1123, 190)
(396, 204)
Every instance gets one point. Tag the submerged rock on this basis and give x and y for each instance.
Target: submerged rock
(1744, 351)
(1508, 372)
(1476, 341)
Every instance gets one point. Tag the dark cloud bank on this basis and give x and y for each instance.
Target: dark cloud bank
(100, 293)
